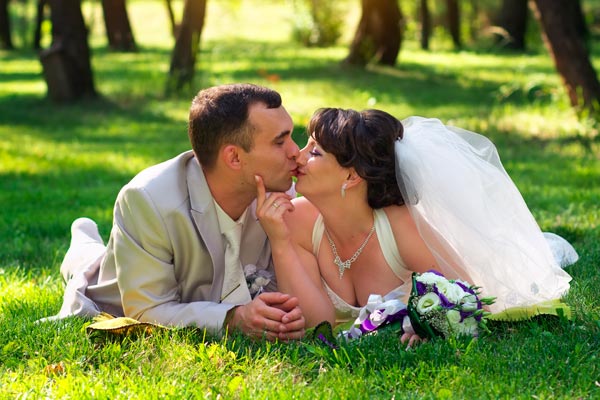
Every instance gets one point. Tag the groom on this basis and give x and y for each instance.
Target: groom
(170, 259)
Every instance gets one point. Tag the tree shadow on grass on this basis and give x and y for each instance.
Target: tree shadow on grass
(423, 86)
(81, 155)
(138, 127)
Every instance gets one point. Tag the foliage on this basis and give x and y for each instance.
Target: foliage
(59, 163)
(317, 22)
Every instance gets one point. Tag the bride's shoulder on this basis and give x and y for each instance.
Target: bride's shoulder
(302, 221)
(400, 220)
(397, 213)
(304, 211)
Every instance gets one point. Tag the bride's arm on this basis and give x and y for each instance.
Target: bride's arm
(413, 250)
(421, 247)
(298, 274)
(289, 229)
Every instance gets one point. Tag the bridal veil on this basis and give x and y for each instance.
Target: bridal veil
(473, 217)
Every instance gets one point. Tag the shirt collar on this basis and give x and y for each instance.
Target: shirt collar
(226, 223)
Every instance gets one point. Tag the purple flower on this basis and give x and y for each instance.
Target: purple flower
(433, 271)
(465, 314)
(323, 339)
(465, 287)
(421, 288)
(443, 299)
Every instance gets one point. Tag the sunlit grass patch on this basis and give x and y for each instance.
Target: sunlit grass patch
(60, 162)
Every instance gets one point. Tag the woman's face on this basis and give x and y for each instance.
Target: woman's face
(319, 172)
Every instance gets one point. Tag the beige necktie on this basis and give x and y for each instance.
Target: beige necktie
(235, 289)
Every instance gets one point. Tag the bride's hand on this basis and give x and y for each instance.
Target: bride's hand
(411, 340)
(270, 211)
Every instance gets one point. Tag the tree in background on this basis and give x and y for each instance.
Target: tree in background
(512, 20)
(39, 18)
(379, 34)
(425, 17)
(118, 28)
(171, 14)
(5, 36)
(66, 63)
(187, 44)
(453, 21)
(561, 23)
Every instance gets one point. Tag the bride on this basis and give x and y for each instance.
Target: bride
(384, 198)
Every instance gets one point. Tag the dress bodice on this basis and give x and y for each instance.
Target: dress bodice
(344, 311)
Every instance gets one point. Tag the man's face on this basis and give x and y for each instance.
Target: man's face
(274, 153)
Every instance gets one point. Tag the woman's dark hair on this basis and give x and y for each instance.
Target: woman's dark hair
(364, 141)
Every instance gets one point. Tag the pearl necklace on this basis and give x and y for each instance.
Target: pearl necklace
(344, 265)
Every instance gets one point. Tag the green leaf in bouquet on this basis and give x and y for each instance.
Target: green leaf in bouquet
(323, 333)
(421, 327)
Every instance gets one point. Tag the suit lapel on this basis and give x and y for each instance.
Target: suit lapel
(205, 217)
(253, 239)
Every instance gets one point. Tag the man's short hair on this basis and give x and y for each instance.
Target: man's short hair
(219, 116)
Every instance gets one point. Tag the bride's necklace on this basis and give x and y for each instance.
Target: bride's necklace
(344, 265)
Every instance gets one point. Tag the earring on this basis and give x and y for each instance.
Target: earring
(344, 189)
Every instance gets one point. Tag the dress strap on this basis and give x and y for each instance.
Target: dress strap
(388, 245)
(317, 234)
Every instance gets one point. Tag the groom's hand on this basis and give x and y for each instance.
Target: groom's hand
(293, 321)
(271, 316)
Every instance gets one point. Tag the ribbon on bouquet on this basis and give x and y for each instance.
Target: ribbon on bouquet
(378, 312)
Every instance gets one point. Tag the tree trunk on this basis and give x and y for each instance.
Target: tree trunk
(66, 64)
(183, 60)
(379, 34)
(425, 24)
(453, 16)
(174, 27)
(39, 19)
(118, 29)
(579, 21)
(512, 19)
(563, 38)
(5, 37)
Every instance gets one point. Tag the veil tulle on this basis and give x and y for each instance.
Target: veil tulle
(474, 219)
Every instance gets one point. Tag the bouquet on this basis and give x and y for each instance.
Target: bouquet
(436, 307)
(441, 307)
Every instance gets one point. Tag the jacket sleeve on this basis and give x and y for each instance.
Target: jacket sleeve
(144, 261)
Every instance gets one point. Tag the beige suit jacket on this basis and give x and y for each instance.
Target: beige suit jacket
(164, 262)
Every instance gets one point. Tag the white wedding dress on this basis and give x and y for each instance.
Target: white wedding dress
(474, 219)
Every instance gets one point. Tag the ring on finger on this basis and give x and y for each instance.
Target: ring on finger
(276, 205)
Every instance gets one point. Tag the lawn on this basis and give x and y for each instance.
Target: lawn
(59, 162)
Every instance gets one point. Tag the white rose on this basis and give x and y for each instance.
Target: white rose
(453, 292)
(468, 327)
(429, 278)
(469, 303)
(453, 318)
(427, 303)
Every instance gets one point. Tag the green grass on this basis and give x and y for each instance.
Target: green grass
(61, 162)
